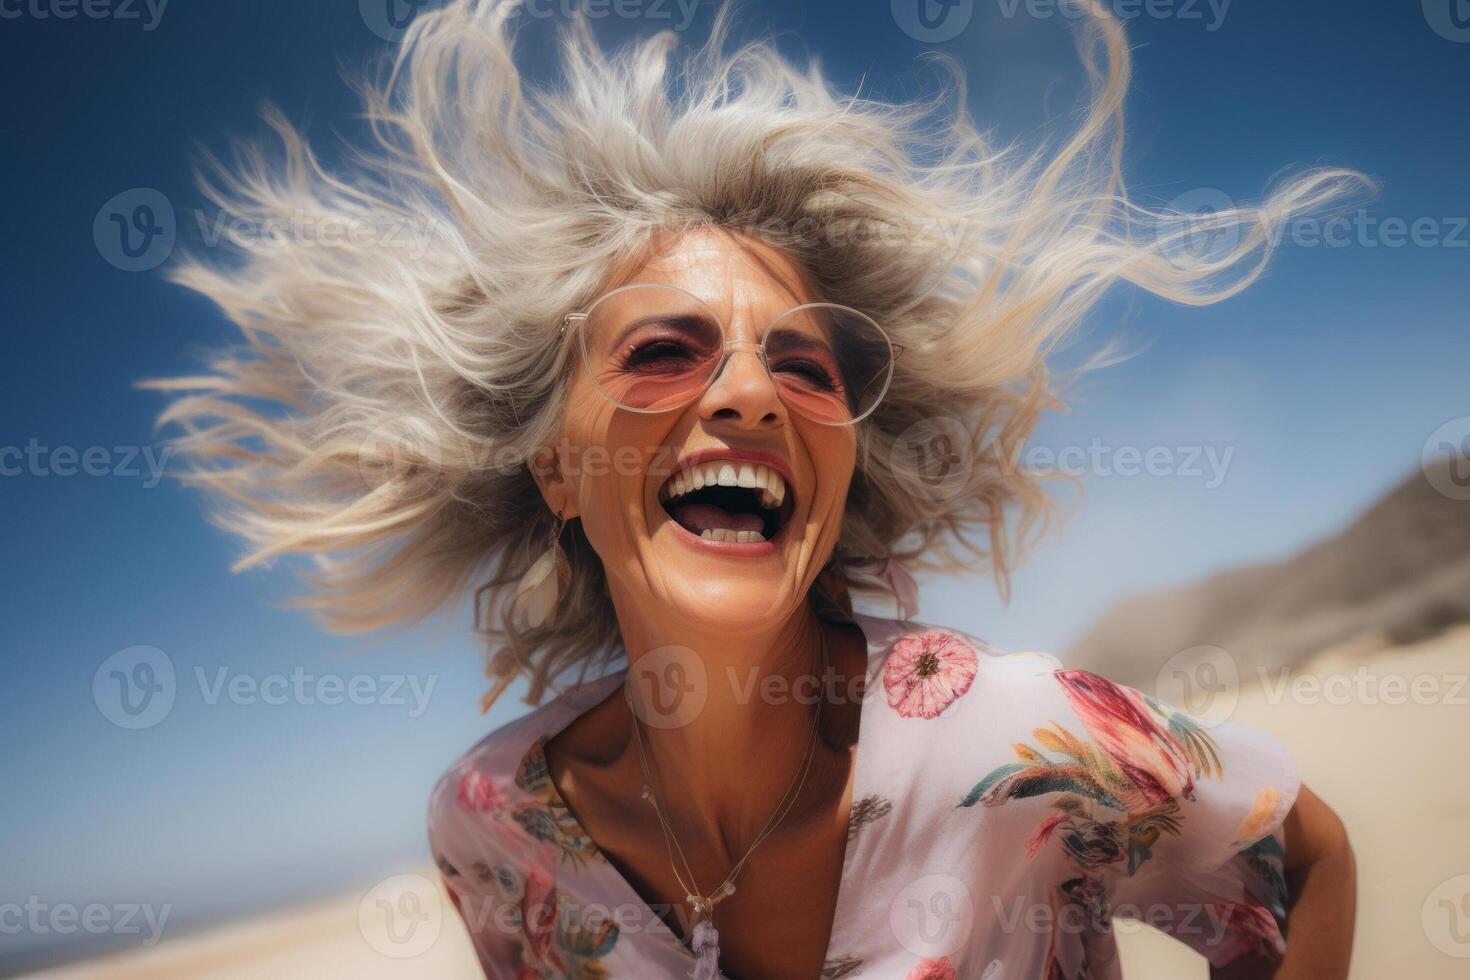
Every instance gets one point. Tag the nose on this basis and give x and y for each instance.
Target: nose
(743, 391)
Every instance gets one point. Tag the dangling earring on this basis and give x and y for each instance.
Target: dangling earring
(541, 588)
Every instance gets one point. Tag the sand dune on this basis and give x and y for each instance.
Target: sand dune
(1401, 570)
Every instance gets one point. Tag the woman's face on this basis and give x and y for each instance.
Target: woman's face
(725, 558)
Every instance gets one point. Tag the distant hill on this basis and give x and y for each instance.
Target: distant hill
(1402, 569)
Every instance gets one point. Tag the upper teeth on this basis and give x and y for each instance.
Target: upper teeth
(728, 473)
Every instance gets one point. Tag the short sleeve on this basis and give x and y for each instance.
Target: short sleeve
(1204, 807)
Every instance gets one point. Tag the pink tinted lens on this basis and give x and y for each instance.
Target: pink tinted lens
(830, 363)
(651, 348)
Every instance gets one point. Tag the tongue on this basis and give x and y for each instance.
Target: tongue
(702, 517)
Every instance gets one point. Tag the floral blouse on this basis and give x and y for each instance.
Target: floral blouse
(1005, 810)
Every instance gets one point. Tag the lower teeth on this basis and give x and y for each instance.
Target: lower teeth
(725, 534)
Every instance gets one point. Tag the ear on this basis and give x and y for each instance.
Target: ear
(549, 468)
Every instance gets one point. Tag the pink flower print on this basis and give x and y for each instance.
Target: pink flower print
(940, 969)
(479, 793)
(927, 671)
(1122, 724)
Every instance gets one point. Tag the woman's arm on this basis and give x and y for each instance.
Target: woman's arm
(1321, 876)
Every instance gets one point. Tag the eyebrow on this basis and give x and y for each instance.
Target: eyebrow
(676, 319)
(807, 341)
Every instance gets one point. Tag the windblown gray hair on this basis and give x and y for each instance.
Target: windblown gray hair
(391, 387)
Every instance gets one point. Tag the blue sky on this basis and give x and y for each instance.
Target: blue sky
(1316, 390)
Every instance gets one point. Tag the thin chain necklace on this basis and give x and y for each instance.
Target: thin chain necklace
(706, 939)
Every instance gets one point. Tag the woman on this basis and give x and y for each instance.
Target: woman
(659, 361)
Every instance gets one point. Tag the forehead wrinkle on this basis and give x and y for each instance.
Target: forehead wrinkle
(732, 273)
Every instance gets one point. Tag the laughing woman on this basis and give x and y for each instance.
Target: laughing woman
(656, 375)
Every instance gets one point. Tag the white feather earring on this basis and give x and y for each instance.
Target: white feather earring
(541, 588)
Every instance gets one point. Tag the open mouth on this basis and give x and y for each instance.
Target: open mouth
(728, 500)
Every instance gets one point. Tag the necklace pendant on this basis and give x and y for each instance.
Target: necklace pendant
(706, 951)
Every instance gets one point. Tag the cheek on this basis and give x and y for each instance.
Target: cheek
(833, 455)
(609, 454)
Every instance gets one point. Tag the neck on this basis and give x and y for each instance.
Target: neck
(725, 720)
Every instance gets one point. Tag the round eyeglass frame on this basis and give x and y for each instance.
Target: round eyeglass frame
(578, 320)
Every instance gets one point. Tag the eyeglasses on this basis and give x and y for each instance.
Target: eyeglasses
(654, 348)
